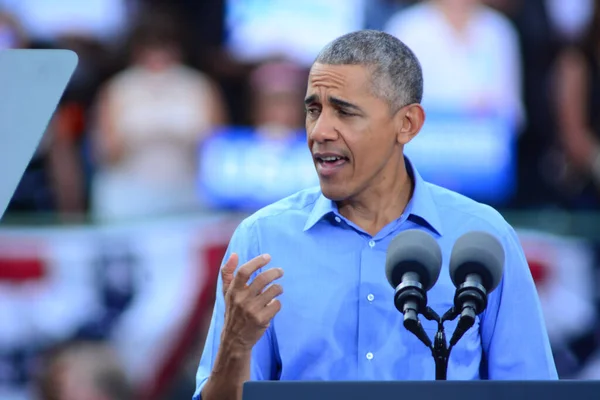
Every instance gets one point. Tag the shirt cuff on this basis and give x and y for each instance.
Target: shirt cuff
(199, 387)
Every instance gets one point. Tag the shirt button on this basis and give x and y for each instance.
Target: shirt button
(371, 243)
(370, 297)
(338, 220)
(369, 356)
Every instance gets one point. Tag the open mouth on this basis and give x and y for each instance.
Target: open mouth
(331, 161)
(330, 164)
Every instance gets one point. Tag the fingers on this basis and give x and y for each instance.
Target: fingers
(270, 310)
(268, 295)
(246, 271)
(263, 279)
(228, 270)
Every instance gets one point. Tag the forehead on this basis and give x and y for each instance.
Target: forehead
(347, 79)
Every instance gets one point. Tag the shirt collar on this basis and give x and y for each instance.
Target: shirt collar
(421, 206)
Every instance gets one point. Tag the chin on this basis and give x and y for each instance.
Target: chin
(334, 192)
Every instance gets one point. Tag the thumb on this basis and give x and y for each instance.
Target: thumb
(227, 271)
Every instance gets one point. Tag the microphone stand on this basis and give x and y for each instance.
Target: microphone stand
(440, 350)
(411, 299)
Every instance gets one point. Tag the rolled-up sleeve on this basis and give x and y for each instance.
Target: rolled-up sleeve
(513, 331)
(244, 242)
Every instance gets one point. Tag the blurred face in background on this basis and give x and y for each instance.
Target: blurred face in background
(352, 134)
(157, 56)
(86, 372)
(277, 93)
(279, 108)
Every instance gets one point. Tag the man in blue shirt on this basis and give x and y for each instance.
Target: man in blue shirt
(331, 316)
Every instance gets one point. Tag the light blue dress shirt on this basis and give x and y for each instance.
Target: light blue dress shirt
(338, 320)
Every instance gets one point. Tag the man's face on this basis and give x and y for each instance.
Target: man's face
(351, 133)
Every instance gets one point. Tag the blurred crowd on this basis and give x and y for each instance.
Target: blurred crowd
(158, 78)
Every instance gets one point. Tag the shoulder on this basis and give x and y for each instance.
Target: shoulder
(289, 211)
(124, 80)
(125, 76)
(193, 75)
(461, 213)
(495, 20)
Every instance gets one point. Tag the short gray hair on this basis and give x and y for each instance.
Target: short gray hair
(396, 73)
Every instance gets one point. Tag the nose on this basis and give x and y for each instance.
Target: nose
(323, 129)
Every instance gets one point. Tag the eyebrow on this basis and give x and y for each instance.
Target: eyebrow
(333, 100)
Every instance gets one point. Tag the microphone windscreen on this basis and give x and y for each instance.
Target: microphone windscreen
(480, 253)
(413, 251)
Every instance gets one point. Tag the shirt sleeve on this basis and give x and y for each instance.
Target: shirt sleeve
(513, 332)
(264, 366)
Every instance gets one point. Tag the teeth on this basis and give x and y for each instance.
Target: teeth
(331, 158)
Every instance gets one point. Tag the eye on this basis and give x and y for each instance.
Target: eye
(312, 111)
(344, 113)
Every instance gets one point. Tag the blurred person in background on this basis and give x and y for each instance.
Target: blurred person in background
(84, 371)
(53, 181)
(150, 118)
(578, 110)
(544, 27)
(539, 43)
(469, 54)
(277, 87)
(248, 166)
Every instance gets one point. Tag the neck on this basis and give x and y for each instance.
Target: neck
(457, 16)
(379, 204)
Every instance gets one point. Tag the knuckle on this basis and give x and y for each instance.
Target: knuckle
(255, 318)
(261, 280)
(244, 273)
(271, 274)
(277, 288)
(237, 301)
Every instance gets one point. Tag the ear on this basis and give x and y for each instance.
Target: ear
(409, 120)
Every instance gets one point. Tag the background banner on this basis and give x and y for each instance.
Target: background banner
(148, 288)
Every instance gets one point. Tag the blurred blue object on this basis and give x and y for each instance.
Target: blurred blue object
(243, 170)
(473, 154)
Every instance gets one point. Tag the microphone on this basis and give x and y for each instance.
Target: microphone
(476, 268)
(412, 266)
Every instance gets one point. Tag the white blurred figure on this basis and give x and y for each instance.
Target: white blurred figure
(469, 54)
(151, 118)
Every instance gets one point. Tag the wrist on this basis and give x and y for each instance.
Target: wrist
(235, 348)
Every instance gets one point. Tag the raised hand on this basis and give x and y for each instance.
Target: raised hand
(249, 309)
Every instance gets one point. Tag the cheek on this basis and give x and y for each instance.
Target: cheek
(370, 148)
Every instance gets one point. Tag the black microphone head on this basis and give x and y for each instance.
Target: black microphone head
(413, 251)
(479, 253)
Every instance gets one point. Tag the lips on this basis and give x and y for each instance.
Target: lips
(329, 164)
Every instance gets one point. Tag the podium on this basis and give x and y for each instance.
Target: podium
(422, 390)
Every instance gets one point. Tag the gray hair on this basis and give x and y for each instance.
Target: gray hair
(395, 70)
